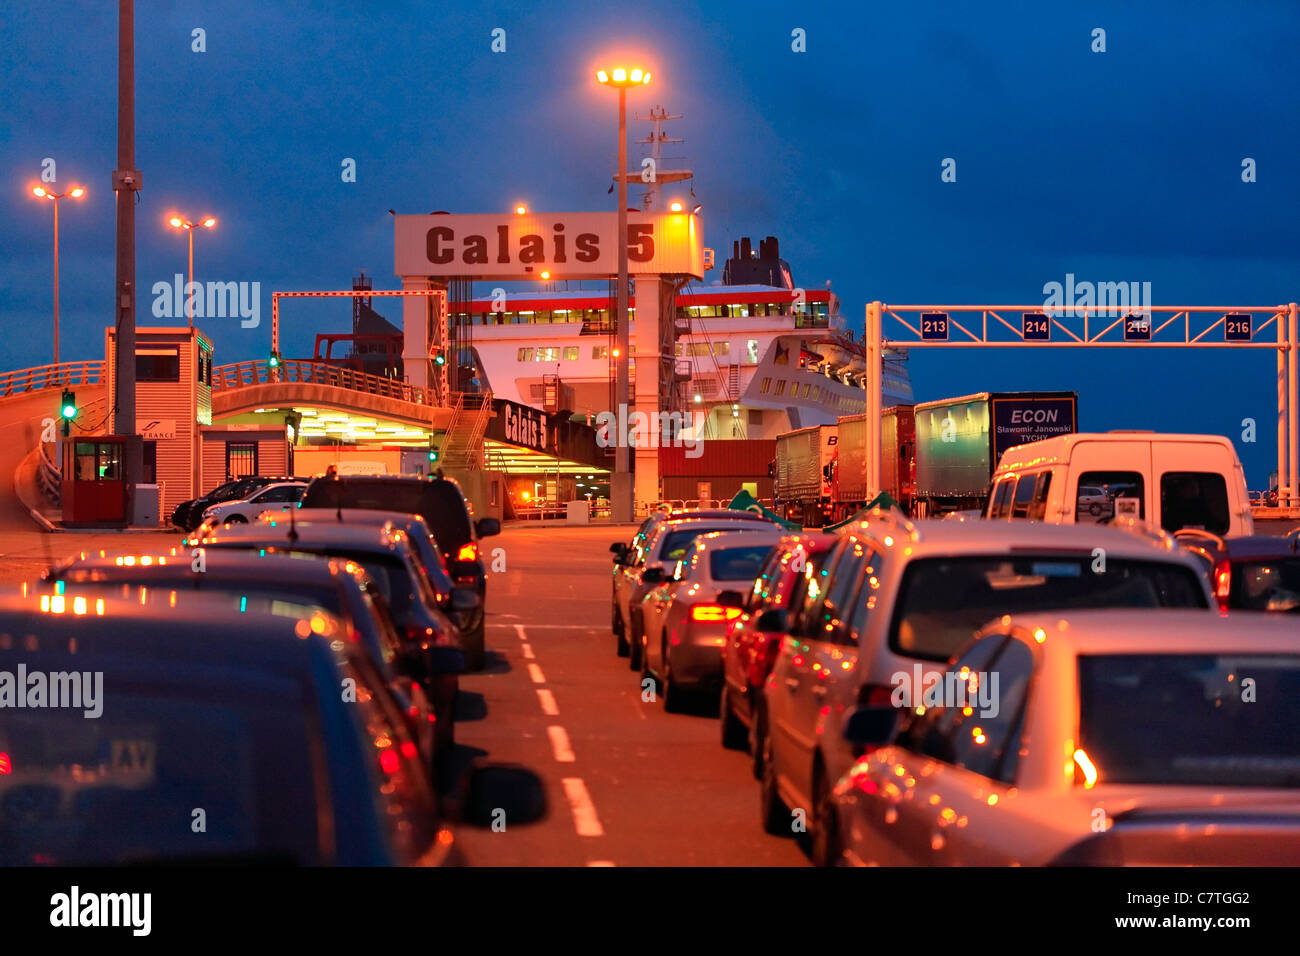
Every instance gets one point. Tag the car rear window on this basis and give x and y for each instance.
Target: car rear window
(1272, 585)
(1194, 499)
(738, 564)
(439, 503)
(677, 541)
(1195, 727)
(123, 788)
(943, 601)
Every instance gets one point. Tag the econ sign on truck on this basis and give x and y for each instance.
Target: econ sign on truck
(959, 441)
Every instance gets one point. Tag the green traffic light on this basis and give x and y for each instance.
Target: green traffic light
(440, 359)
(68, 407)
(274, 360)
(69, 411)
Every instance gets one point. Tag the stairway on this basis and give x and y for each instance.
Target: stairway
(462, 444)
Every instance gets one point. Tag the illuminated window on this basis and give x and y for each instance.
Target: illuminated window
(780, 387)
(571, 353)
(766, 386)
(525, 355)
(751, 351)
(721, 348)
(600, 351)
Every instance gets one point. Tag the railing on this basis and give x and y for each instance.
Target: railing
(48, 478)
(463, 442)
(51, 376)
(317, 373)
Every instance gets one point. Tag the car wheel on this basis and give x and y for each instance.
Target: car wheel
(825, 829)
(644, 663)
(236, 519)
(636, 654)
(673, 694)
(734, 734)
(775, 814)
(620, 637)
(475, 644)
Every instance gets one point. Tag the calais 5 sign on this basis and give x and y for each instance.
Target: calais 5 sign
(567, 245)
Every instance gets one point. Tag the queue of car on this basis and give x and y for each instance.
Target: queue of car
(980, 691)
(295, 680)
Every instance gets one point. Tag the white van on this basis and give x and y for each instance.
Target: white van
(1168, 481)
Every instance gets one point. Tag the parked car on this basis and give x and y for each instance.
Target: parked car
(338, 586)
(748, 653)
(441, 504)
(188, 514)
(240, 728)
(1253, 573)
(431, 559)
(650, 560)
(386, 556)
(898, 598)
(1171, 481)
(684, 620)
(278, 496)
(1170, 758)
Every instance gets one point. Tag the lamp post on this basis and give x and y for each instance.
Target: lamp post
(621, 483)
(176, 222)
(40, 192)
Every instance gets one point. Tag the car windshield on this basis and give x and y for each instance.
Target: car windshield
(392, 579)
(738, 564)
(123, 788)
(1272, 585)
(1200, 725)
(678, 540)
(942, 601)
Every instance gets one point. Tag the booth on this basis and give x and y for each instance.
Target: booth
(94, 489)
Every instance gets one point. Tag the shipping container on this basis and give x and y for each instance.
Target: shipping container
(802, 472)
(959, 441)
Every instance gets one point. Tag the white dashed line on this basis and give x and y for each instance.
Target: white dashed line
(519, 629)
(536, 674)
(585, 820)
(547, 700)
(528, 652)
(560, 744)
(601, 863)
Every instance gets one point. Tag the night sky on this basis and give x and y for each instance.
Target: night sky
(1117, 166)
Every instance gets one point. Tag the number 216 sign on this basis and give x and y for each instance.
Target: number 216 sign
(1237, 327)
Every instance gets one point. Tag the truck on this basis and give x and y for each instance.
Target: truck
(960, 440)
(802, 473)
(849, 492)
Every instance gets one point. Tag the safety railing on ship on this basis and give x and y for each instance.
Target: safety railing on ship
(242, 374)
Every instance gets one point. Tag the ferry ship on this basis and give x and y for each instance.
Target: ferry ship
(759, 356)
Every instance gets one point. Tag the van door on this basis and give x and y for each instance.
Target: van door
(1194, 486)
(1108, 479)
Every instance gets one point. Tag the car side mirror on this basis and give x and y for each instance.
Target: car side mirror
(731, 599)
(487, 527)
(654, 576)
(463, 599)
(773, 621)
(871, 726)
(619, 548)
(507, 793)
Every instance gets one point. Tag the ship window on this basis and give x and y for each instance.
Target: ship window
(751, 351)
(766, 386)
(721, 348)
(571, 353)
(600, 351)
(780, 387)
(525, 355)
(806, 390)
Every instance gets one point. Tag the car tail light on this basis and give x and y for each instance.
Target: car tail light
(714, 613)
(467, 552)
(5, 766)
(389, 761)
(1223, 583)
(876, 695)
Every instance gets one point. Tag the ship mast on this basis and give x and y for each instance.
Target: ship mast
(652, 201)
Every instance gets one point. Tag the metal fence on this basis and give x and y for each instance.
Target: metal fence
(317, 373)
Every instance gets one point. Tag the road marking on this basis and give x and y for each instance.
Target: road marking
(601, 863)
(536, 674)
(547, 700)
(560, 744)
(519, 629)
(554, 627)
(528, 652)
(585, 820)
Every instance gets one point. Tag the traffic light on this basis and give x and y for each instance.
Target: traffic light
(439, 359)
(68, 410)
(274, 360)
(433, 455)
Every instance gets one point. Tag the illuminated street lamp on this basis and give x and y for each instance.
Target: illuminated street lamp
(176, 222)
(621, 483)
(40, 192)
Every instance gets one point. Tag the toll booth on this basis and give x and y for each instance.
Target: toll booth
(94, 487)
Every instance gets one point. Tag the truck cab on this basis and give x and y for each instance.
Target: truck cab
(1168, 481)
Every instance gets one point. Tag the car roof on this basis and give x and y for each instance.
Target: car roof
(988, 537)
(717, 540)
(196, 628)
(356, 516)
(714, 513)
(366, 538)
(275, 567)
(1153, 631)
(1261, 546)
(1056, 450)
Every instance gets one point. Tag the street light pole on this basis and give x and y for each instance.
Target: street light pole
(189, 299)
(56, 280)
(621, 492)
(622, 504)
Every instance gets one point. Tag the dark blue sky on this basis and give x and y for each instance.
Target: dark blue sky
(1116, 166)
